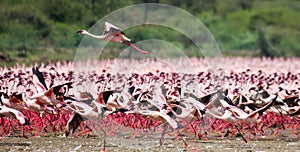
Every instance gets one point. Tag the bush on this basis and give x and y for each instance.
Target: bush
(64, 35)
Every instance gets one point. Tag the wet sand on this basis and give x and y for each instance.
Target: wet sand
(119, 138)
(41, 144)
(133, 140)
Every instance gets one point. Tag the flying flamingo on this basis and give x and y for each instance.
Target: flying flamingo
(113, 34)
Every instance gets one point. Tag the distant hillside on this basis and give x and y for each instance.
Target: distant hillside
(34, 31)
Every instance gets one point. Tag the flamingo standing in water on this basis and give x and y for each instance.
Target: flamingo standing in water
(113, 34)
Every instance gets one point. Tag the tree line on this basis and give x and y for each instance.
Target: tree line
(241, 27)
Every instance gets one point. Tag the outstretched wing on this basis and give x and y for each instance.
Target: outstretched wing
(37, 75)
(172, 122)
(55, 90)
(264, 108)
(73, 123)
(112, 30)
(16, 98)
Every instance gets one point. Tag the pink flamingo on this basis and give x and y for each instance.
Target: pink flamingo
(113, 34)
(9, 112)
(13, 101)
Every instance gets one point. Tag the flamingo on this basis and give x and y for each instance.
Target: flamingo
(163, 117)
(13, 101)
(82, 110)
(50, 96)
(119, 102)
(251, 117)
(9, 112)
(36, 106)
(6, 111)
(164, 114)
(113, 34)
(97, 112)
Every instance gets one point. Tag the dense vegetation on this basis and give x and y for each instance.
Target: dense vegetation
(39, 30)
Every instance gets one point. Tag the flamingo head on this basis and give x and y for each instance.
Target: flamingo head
(82, 31)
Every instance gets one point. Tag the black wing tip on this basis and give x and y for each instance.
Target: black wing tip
(40, 76)
(72, 125)
(27, 123)
(35, 70)
(295, 113)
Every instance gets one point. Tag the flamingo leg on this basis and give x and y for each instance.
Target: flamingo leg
(202, 126)
(181, 137)
(92, 125)
(163, 134)
(240, 133)
(135, 47)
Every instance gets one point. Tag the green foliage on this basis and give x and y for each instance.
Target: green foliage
(30, 27)
(63, 35)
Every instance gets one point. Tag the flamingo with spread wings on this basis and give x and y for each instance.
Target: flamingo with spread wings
(113, 34)
(10, 112)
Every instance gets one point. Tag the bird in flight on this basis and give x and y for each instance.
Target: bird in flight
(113, 34)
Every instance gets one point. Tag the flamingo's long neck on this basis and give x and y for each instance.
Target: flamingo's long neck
(96, 36)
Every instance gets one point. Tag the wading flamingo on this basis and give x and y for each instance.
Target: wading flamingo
(113, 34)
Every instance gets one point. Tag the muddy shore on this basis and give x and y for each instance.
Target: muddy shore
(41, 144)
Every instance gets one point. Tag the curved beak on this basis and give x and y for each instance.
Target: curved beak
(79, 31)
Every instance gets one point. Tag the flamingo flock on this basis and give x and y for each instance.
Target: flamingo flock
(45, 100)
